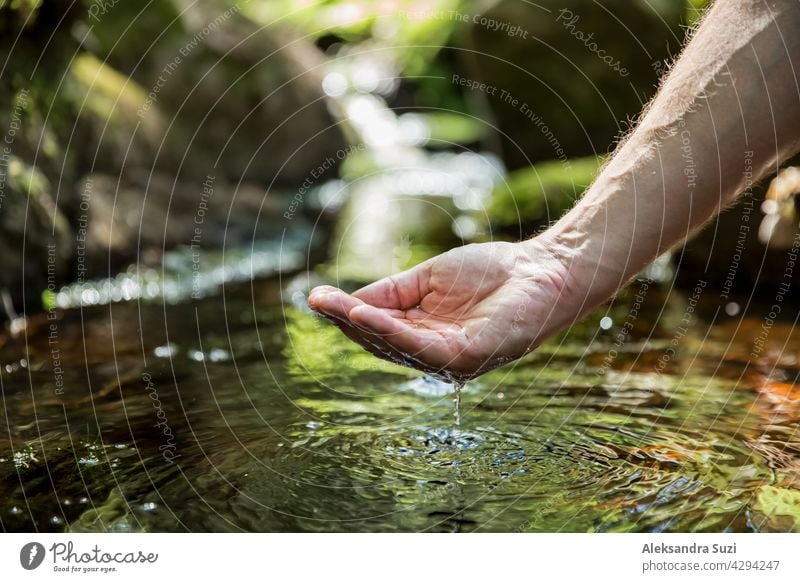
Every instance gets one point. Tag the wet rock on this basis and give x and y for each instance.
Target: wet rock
(37, 47)
(110, 125)
(138, 217)
(35, 240)
(108, 132)
(237, 99)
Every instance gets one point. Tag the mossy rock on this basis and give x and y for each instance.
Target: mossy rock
(571, 75)
(240, 100)
(541, 193)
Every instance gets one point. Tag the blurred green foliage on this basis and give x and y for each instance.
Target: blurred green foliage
(412, 31)
(25, 7)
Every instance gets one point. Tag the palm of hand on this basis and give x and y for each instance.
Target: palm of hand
(457, 315)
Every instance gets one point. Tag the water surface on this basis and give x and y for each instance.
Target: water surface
(243, 412)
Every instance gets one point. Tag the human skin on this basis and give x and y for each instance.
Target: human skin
(733, 94)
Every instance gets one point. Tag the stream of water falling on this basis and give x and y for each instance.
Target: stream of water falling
(458, 387)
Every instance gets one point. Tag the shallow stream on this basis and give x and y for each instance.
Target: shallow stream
(242, 411)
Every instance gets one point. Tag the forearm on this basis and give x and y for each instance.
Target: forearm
(734, 94)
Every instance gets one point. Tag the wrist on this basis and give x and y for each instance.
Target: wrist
(590, 271)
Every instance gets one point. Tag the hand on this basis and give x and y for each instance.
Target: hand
(460, 314)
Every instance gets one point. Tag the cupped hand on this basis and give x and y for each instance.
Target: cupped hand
(457, 315)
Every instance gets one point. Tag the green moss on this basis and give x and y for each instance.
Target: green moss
(108, 94)
(114, 515)
(26, 179)
(542, 192)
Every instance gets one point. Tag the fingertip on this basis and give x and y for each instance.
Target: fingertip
(322, 289)
(316, 299)
(332, 302)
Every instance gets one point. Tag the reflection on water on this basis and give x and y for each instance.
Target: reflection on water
(239, 413)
